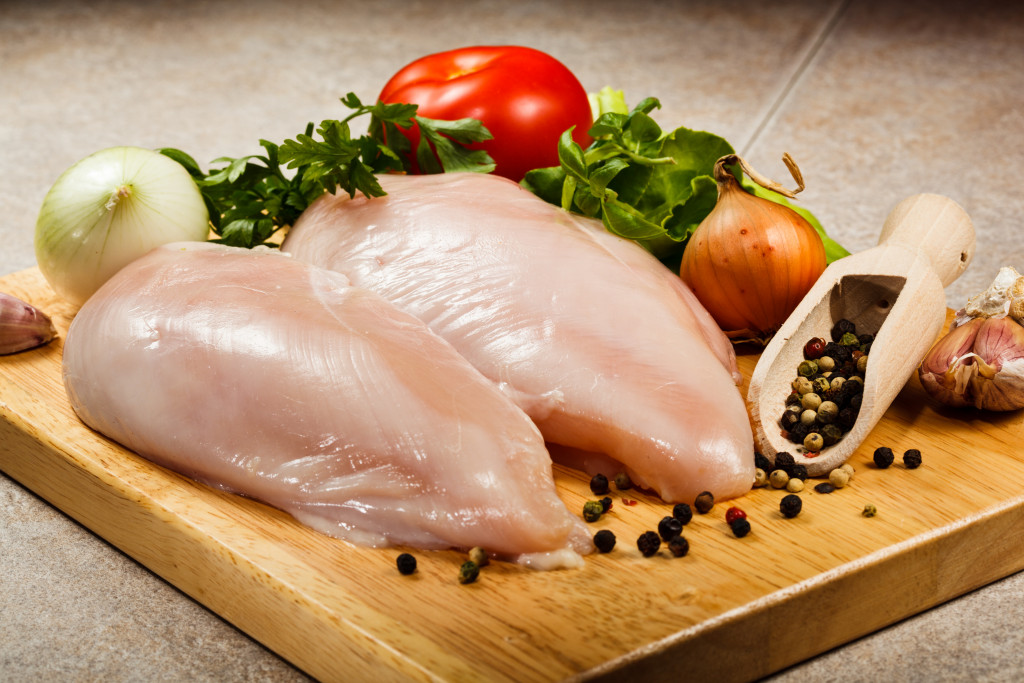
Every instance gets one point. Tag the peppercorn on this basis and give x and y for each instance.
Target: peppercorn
(795, 485)
(824, 487)
(704, 502)
(682, 512)
(807, 368)
(792, 398)
(869, 510)
(827, 412)
(760, 478)
(733, 514)
(468, 572)
(848, 468)
(839, 353)
(802, 385)
(790, 417)
(883, 457)
(798, 431)
(669, 528)
(847, 418)
(761, 461)
(836, 383)
(809, 417)
(862, 364)
(479, 556)
(814, 442)
(592, 510)
(797, 471)
(839, 478)
(606, 503)
(623, 482)
(604, 541)
(810, 401)
(849, 339)
(406, 564)
(778, 479)
(648, 543)
(814, 348)
(821, 385)
(599, 484)
(679, 546)
(784, 461)
(912, 459)
(841, 327)
(830, 434)
(790, 506)
(826, 363)
(740, 527)
(865, 338)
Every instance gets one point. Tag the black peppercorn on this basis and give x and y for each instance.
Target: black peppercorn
(648, 543)
(865, 339)
(705, 501)
(682, 512)
(669, 528)
(883, 457)
(599, 484)
(406, 564)
(606, 503)
(604, 541)
(679, 546)
(760, 461)
(740, 527)
(841, 327)
(912, 459)
(824, 487)
(798, 471)
(847, 417)
(790, 506)
(784, 461)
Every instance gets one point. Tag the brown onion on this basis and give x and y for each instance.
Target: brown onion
(752, 260)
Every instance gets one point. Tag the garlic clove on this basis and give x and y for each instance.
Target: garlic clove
(947, 369)
(22, 325)
(999, 383)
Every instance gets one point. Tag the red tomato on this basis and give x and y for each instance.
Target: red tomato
(526, 98)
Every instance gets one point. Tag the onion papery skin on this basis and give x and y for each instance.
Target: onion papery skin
(109, 209)
(750, 262)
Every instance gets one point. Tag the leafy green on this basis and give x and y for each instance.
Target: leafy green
(251, 198)
(644, 184)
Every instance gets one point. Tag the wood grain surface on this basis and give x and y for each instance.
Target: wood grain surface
(736, 609)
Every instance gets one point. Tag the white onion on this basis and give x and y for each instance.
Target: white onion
(109, 209)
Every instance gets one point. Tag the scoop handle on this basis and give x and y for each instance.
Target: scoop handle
(936, 226)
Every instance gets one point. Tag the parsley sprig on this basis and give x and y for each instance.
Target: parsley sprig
(251, 198)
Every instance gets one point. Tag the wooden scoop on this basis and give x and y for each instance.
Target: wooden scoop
(894, 291)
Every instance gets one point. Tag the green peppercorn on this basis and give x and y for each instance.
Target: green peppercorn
(810, 401)
(760, 478)
(669, 528)
(682, 512)
(592, 510)
(826, 363)
(821, 385)
(814, 442)
(869, 510)
(740, 527)
(599, 484)
(406, 564)
(849, 339)
(468, 572)
(679, 546)
(648, 543)
(623, 482)
(807, 368)
(883, 457)
(778, 479)
(790, 506)
(827, 412)
(604, 541)
(705, 501)
(912, 459)
(802, 385)
(479, 557)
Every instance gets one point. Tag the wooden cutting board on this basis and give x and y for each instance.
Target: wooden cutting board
(733, 609)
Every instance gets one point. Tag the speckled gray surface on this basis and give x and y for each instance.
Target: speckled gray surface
(876, 100)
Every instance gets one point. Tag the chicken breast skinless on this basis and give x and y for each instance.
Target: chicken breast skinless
(260, 374)
(605, 348)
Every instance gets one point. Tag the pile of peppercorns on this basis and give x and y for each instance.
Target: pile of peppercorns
(826, 395)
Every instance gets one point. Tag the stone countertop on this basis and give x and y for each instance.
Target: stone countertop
(876, 100)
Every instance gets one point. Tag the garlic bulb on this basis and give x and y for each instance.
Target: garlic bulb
(980, 360)
(22, 325)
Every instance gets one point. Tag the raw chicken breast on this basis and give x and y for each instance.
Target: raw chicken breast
(606, 349)
(262, 375)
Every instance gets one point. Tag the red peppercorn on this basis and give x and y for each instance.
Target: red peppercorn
(734, 513)
(814, 349)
